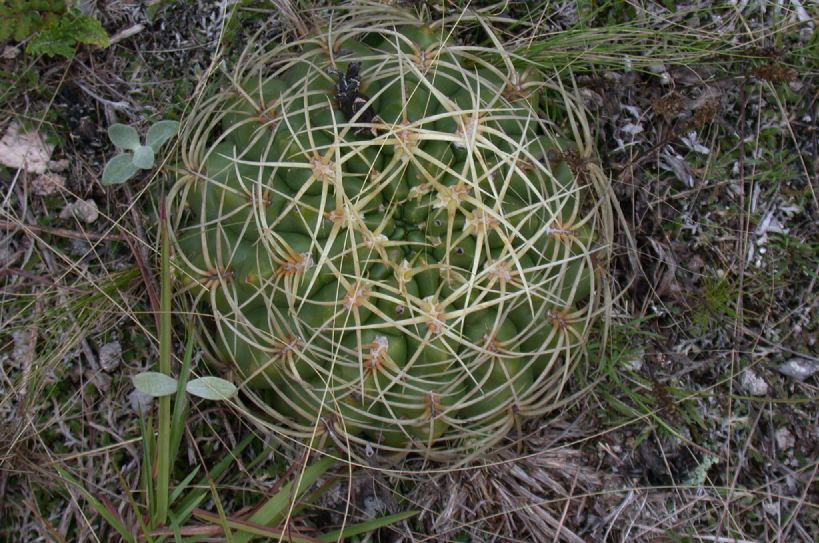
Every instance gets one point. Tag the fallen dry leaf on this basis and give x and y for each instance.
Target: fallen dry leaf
(24, 150)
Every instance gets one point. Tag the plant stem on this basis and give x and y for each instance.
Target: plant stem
(164, 460)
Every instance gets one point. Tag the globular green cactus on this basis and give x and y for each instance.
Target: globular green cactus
(414, 271)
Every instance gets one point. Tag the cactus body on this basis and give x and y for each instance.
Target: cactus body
(419, 280)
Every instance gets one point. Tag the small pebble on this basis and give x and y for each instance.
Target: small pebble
(110, 356)
(47, 184)
(84, 210)
(753, 384)
(799, 368)
(784, 439)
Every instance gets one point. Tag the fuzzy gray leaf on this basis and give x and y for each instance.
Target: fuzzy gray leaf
(211, 388)
(119, 169)
(124, 136)
(144, 157)
(159, 133)
(154, 383)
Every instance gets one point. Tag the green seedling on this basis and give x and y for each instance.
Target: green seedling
(137, 156)
(156, 384)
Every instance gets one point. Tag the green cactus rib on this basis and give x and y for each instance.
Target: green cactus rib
(422, 285)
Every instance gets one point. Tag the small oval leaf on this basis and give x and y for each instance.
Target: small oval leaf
(154, 383)
(211, 388)
(144, 157)
(124, 136)
(159, 133)
(119, 169)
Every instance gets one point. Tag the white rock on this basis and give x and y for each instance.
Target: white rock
(784, 439)
(47, 184)
(753, 384)
(84, 210)
(110, 356)
(799, 368)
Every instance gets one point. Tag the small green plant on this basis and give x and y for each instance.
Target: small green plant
(137, 156)
(62, 37)
(20, 19)
(716, 304)
(158, 384)
(55, 30)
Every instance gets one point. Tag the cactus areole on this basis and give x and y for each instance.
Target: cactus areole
(385, 240)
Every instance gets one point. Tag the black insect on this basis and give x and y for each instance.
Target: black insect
(354, 104)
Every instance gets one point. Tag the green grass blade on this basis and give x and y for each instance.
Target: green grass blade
(164, 445)
(180, 407)
(199, 493)
(275, 509)
(147, 429)
(250, 529)
(101, 510)
(364, 527)
(129, 496)
(180, 488)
